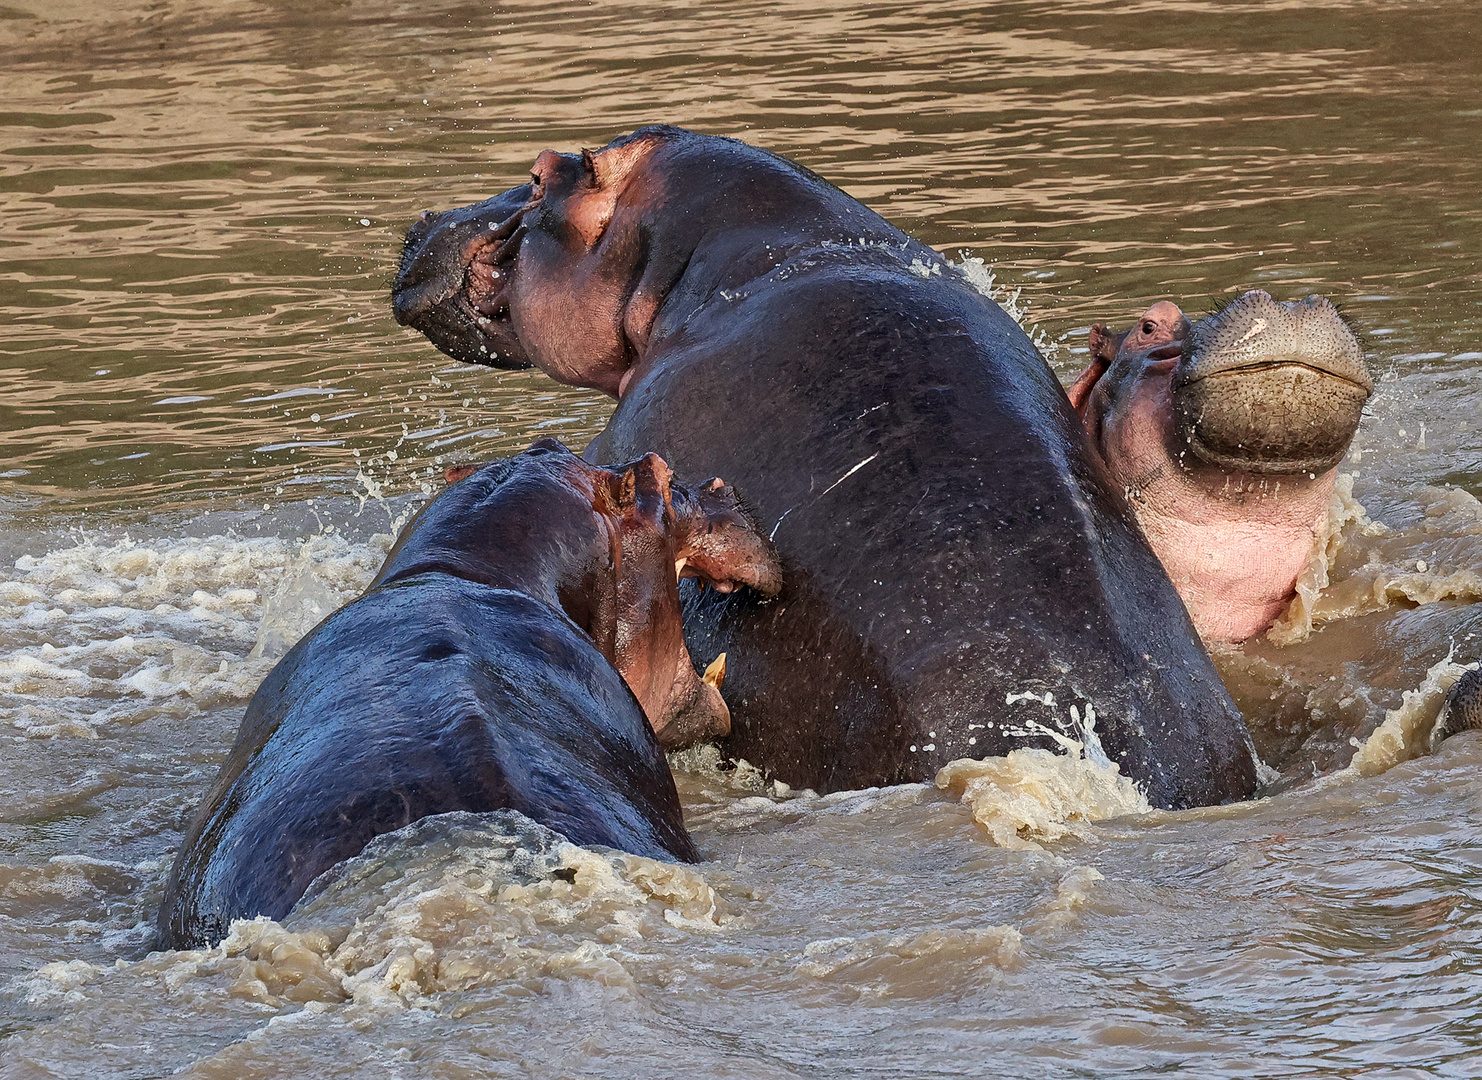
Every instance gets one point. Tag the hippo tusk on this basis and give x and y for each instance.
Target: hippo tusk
(715, 674)
(679, 565)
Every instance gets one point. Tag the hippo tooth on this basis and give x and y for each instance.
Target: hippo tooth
(715, 673)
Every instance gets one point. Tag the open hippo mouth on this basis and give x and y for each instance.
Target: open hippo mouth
(454, 278)
(1269, 387)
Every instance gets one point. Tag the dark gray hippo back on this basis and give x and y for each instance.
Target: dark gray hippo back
(959, 568)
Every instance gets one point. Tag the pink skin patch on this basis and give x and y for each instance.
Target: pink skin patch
(1232, 542)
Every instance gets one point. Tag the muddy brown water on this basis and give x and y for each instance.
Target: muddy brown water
(209, 426)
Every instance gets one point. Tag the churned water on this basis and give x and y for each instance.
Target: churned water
(210, 430)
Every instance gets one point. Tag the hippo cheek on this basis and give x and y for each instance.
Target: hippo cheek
(1272, 417)
(567, 309)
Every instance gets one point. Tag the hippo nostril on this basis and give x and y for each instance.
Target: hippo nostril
(415, 299)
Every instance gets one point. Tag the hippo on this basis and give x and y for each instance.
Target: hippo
(962, 577)
(1461, 710)
(520, 648)
(1226, 434)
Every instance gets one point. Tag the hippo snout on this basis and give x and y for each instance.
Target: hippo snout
(1269, 387)
(451, 278)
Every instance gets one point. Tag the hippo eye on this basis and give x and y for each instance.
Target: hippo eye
(1149, 327)
(535, 180)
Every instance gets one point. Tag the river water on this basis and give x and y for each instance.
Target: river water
(210, 426)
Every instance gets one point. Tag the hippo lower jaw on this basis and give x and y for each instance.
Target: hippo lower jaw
(698, 713)
(1274, 416)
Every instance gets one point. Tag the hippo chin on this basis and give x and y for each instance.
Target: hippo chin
(1225, 435)
(520, 649)
(961, 575)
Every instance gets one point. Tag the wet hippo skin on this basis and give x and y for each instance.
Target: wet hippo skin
(1461, 710)
(517, 650)
(960, 571)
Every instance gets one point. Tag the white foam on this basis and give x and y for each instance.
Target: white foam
(1031, 795)
(1406, 730)
(96, 632)
(1359, 566)
(981, 277)
(454, 902)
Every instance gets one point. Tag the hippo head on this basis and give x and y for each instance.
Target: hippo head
(1225, 435)
(668, 531)
(1259, 386)
(608, 547)
(542, 274)
(570, 271)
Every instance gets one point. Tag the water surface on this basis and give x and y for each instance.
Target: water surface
(209, 426)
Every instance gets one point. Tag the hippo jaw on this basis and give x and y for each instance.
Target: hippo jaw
(454, 278)
(666, 530)
(1269, 387)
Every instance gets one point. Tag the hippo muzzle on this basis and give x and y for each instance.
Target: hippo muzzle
(1270, 387)
(454, 275)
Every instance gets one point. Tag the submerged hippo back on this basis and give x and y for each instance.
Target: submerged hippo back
(430, 695)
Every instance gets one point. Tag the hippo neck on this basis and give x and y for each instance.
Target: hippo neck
(733, 266)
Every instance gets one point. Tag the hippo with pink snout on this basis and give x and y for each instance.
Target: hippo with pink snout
(1225, 434)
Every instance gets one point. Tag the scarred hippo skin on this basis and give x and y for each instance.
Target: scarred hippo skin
(1225, 436)
(959, 568)
(513, 652)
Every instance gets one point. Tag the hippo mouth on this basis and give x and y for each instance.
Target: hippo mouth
(454, 280)
(1271, 387)
(1274, 416)
(487, 264)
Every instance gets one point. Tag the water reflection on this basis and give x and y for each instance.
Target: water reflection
(202, 202)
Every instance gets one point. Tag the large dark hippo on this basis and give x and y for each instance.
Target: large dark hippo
(1226, 434)
(506, 657)
(962, 572)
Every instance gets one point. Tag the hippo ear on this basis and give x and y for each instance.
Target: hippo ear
(613, 165)
(624, 491)
(453, 473)
(1105, 343)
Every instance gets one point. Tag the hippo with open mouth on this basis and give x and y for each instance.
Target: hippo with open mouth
(1225, 434)
(520, 649)
(961, 575)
